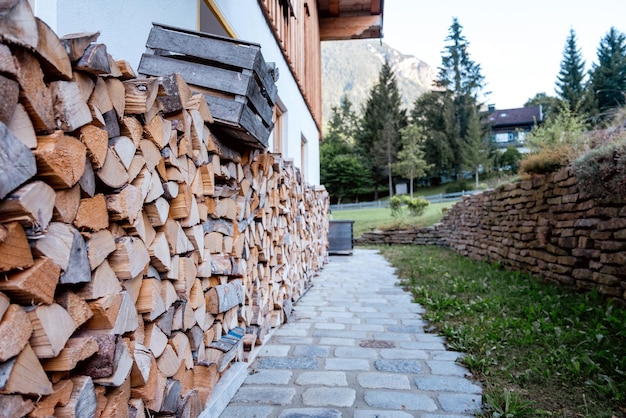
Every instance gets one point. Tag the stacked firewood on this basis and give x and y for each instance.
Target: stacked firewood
(140, 253)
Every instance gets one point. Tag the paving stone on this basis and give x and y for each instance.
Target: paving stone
(447, 355)
(443, 416)
(339, 334)
(288, 363)
(399, 400)
(375, 315)
(293, 340)
(342, 397)
(381, 414)
(310, 412)
(383, 381)
(398, 353)
(447, 368)
(265, 395)
(361, 309)
(381, 321)
(367, 327)
(268, 376)
(322, 379)
(460, 403)
(447, 384)
(329, 325)
(246, 412)
(355, 352)
(348, 342)
(275, 350)
(327, 314)
(346, 364)
(406, 329)
(419, 345)
(398, 366)
(347, 320)
(311, 351)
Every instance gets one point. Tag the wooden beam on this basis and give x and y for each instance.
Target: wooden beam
(353, 27)
(333, 7)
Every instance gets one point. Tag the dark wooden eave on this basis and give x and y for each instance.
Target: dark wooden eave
(350, 19)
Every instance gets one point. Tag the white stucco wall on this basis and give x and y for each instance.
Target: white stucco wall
(124, 27)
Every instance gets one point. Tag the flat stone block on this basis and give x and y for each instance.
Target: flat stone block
(447, 384)
(367, 327)
(392, 336)
(268, 376)
(419, 345)
(296, 332)
(311, 351)
(310, 412)
(406, 329)
(446, 368)
(288, 363)
(447, 355)
(265, 395)
(398, 366)
(342, 397)
(321, 333)
(329, 325)
(274, 350)
(348, 342)
(246, 411)
(399, 400)
(294, 340)
(383, 381)
(347, 320)
(398, 353)
(322, 379)
(460, 403)
(381, 414)
(356, 352)
(346, 364)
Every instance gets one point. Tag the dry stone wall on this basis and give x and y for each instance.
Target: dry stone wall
(544, 226)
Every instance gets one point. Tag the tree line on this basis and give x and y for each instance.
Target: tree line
(445, 134)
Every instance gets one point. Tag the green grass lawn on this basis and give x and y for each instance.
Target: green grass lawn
(538, 349)
(380, 218)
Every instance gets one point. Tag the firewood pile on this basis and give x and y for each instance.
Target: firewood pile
(141, 254)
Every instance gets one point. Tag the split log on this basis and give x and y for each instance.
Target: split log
(17, 162)
(16, 324)
(180, 343)
(105, 311)
(10, 90)
(126, 69)
(116, 91)
(94, 60)
(52, 327)
(158, 131)
(127, 319)
(60, 159)
(150, 301)
(142, 359)
(75, 44)
(62, 394)
(18, 25)
(159, 253)
(14, 249)
(33, 285)
(23, 374)
(155, 339)
(157, 211)
(168, 362)
(113, 173)
(70, 110)
(124, 149)
(117, 401)
(21, 126)
(92, 214)
(96, 141)
(152, 392)
(130, 257)
(88, 180)
(16, 406)
(199, 103)
(34, 94)
(54, 59)
(205, 377)
(64, 245)
(31, 205)
(140, 95)
(171, 397)
(174, 93)
(99, 246)
(82, 401)
(76, 307)
(66, 204)
(75, 350)
(122, 363)
(125, 204)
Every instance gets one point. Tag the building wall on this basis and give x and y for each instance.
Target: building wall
(124, 27)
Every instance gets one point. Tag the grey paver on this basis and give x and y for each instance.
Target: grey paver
(275, 350)
(342, 397)
(348, 342)
(361, 413)
(448, 368)
(310, 412)
(247, 412)
(383, 381)
(399, 400)
(447, 384)
(346, 364)
(399, 353)
(398, 366)
(267, 376)
(460, 403)
(330, 378)
(355, 352)
(265, 395)
(311, 351)
(287, 363)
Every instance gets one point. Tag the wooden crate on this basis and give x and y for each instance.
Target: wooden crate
(238, 84)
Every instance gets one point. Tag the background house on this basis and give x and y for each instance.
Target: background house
(289, 32)
(510, 126)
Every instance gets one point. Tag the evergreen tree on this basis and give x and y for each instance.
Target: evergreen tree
(550, 105)
(608, 75)
(381, 121)
(462, 78)
(341, 170)
(411, 163)
(570, 80)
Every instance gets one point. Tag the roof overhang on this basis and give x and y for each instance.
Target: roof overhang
(350, 19)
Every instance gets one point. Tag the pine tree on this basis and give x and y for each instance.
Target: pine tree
(462, 78)
(381, 121)
(608, 75)
(570, 80)
(411, 163)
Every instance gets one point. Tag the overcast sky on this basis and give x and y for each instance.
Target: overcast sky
(518, 44)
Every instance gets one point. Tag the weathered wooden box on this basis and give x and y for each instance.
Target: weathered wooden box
(238, 84)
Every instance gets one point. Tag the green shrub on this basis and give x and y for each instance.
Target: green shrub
(417, 205)
(460, 186)
(548, 160)
(395, 203)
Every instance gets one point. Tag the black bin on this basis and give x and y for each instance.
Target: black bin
(340, 237)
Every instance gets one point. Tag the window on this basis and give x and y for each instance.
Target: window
(278, 131)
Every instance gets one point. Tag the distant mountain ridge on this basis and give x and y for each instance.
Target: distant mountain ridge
(352, 67)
